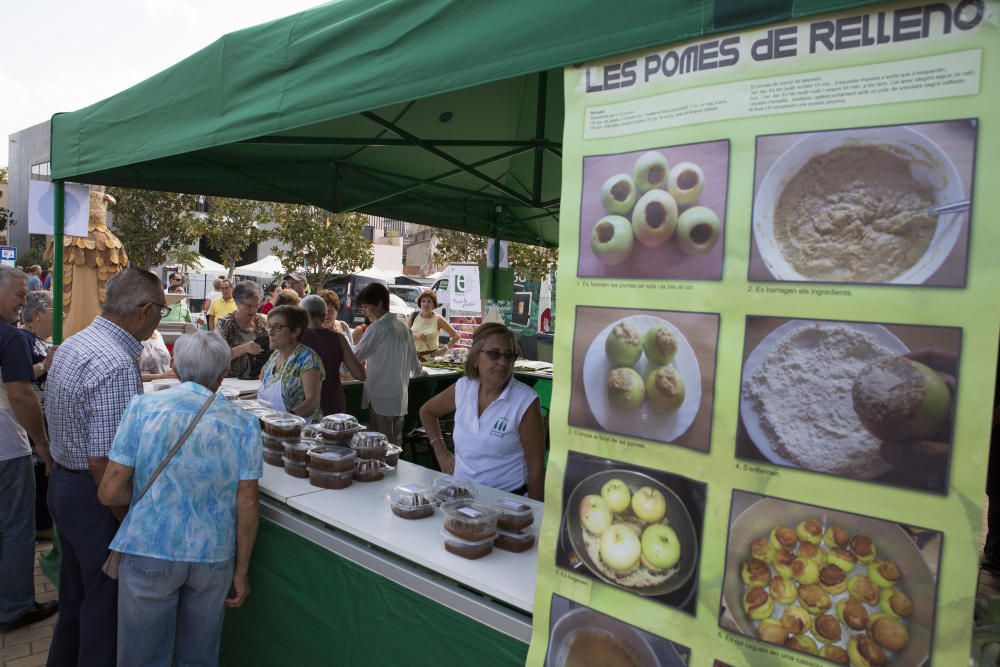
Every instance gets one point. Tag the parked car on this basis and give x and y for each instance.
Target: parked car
(348, 288)
(408, 293)
(399, 308)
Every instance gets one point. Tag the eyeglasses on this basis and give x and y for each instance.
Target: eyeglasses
(278, 327)
(497, 355)
(164, 308)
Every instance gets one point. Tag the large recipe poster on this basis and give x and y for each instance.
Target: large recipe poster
(777, 344)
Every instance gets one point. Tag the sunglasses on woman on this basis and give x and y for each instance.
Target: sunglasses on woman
(497, 355)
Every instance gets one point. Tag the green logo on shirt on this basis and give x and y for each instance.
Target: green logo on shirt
(500, 427)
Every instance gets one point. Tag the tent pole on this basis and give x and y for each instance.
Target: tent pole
(57, 262)
(536, 190)
(495, 273)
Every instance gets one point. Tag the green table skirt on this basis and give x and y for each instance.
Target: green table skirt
(310, 606)
(420, 391)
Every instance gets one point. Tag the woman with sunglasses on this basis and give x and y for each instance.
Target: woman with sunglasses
(499, 434)
(292, 377)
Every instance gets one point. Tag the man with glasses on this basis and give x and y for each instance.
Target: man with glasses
(90, 384)
(173, 280)
(387, 345)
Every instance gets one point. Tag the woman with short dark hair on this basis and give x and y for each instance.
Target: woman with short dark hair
(292, 377)
(333, 349)
(426, 326)
(245, 330)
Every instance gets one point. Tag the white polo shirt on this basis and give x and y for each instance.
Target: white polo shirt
(488, 447)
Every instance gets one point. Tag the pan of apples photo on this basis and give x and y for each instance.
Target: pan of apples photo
(632, 531)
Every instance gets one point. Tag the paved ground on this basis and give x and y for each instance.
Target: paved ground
(29, 647)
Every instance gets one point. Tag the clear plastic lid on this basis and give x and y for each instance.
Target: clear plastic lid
(299, 445)
(455, 539)
(512, 508)
(228, 393)
(329, 474)
(467, 513)
(292, 463)
(331, 433)
(371, 467)
(518, 536)
(282, 419)
(339, 422)
(333, 453)
(369, 440)
(410, 495)
(447, 486)
(248, 404)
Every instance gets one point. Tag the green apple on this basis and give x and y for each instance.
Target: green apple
(809, 530)
(885, 573)
(616, 494)
(805, 571)
(665, 389)
(757, 603)
(651, 170)
(595, 515)
(623, 346)
(698, 230)
(618, 194)
(865, 652)
(771, 632)
(754, 572)
(660, 345)
(612, 240)
(802, 643)
(685, 183)
(900, 399)
(620, 548)
(661, 549)
(895, 603)
(649, 504)
(654, 218)
(625, 389)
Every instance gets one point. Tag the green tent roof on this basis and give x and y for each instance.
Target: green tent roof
(443, 112)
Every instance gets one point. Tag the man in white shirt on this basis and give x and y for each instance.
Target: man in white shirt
(387, 345)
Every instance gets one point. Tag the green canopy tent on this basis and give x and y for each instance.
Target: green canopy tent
(442, 112)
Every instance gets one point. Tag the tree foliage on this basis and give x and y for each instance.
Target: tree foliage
(529, 262)
(153, 226)
(232, 226)
(326, 243)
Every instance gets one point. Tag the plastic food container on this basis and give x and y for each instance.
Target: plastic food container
(330, 480)
(411, 501)
(514, 516)
(327, 435)
(370, 470)
(392, 453)
(247, 404)
(297, 449)
(295, 468)
(332, 458)
(339, 422)
(515, 541)
(370, 445)
(471, 549)
(274, 457)
(469, 520)
(283, 424)
(261, 413)
(448, 487)
(160, 385)
(277, 444)
(228, 393)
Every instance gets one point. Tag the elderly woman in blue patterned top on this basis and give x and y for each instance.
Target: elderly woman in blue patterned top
(189, 539)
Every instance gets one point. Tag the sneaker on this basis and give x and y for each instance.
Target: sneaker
(40, 612)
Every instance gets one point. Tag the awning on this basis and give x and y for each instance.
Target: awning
(267, 267)
(443, 112)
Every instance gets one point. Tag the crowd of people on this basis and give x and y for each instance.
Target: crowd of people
(186, 544)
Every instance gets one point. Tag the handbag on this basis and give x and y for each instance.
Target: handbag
(113, 563)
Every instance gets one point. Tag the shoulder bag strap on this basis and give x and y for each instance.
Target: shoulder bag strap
(175, 449)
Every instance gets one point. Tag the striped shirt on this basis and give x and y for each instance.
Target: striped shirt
(93, 376)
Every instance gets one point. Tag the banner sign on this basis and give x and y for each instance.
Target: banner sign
(777, 345)
(463, 287)
(41, 208)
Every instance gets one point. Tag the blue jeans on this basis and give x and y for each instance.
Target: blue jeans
(17, 537)
(170, 612)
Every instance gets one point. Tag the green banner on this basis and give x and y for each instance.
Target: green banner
(777, 346)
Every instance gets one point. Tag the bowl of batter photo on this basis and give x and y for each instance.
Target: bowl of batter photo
(857, 206)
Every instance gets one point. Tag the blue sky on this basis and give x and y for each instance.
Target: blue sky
(61, 55)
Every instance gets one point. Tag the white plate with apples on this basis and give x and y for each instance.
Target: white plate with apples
(647, 539)
(644, 422)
